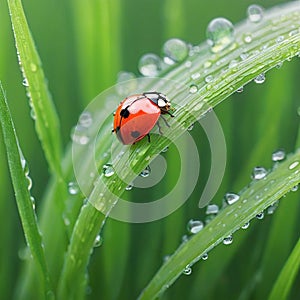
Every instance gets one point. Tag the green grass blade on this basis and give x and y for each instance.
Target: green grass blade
(23, 198)
(253, 200)
(287, 275)
(226, 81)
(43, 111)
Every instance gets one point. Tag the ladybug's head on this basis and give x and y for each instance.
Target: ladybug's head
(160, 100)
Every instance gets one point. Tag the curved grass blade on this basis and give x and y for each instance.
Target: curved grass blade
(263, 54)
(254, 199)
(287, 275)
(20, 183)
(43, 110)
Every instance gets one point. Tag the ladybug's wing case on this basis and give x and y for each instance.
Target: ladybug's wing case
(143, 115)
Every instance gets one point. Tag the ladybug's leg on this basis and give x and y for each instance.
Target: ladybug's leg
(159, 128)
(166, 122)
(148, 136)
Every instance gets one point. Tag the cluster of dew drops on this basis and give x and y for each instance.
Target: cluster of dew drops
(258, 173)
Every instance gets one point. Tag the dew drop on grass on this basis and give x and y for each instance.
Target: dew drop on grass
(193, 88)
(146, 172)
(220, 34)
(212, 209)
(231, 198)
(98, 241)
(228, 240)
(108, 170)
(190, 128)
(150, 65)
(29, 182)
(260, 216)
(260, 78)
(79, 135)
(85, 119)
(194, 226)
(246, 225)
(259, 173)
(129, 187)
(278, 155)
(165, 149)
(187, 270)
(240, 89)
(271, 209)
(209, 78)
(32, 202)
(25, 82)
(195, 76)
(204, 256)
(255, 13)
(279, 39)
(247, 38)
(293, 165)
(294, 188)
(175, 50)
(73, 188)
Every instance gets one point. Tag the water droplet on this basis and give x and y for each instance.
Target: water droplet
(204, 256)
(193, 88)
(194, 226)
(259, 173)
(126, 84)
(280, 39)
(79, 135)
(240, 89)
(260, 78)
(212, 209)
(231, 198)
(187, 270)
(24, 253)
(85, 119)
(209, 78)
(244, 56)
(293, 165)
(228, 240)
(188, 64)
(246, 225)
(146, 172)
(271, 209)
(190, 128)
(184, 238)
(247, 38)
(294, 188)
(29, 182)
(98, 241)
(220, 34)
(129, 187)
(108, 170)
(33, 67)
(278, 155)
(32, 114)
(149, 65)
(165, 149)
(255, 13)
(73, 188)
(67, 221)
(260, 216)
(32, 202)
(175, 50)
(25, 82)
(195, 76)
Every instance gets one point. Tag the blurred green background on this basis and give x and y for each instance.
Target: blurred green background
(83, 45)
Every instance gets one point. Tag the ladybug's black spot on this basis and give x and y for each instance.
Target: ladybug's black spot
(124, 113)
(135, 134)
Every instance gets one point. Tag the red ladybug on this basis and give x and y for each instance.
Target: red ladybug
(137, 114)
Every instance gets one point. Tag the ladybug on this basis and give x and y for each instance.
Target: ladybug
(137, 114)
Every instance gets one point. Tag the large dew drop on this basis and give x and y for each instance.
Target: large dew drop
(278, 155)
(220, 34)
(231, 198)
(194, 226)
(175, 50)
(108, 170)
(149, 65)
(255, 13)
(259, 173)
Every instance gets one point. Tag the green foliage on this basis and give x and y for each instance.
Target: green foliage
(88, 44)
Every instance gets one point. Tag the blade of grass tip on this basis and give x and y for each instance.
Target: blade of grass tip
(287, 275)
(43, 110)
(83, 236)
(17, 167)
